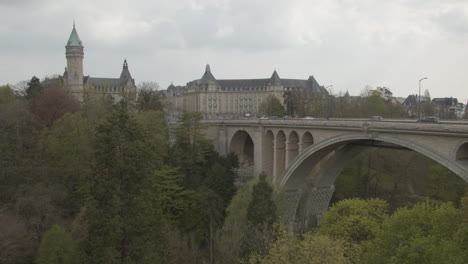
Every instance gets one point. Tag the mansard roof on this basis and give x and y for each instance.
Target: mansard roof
(231, 83)
(74, 39)
(274, 80)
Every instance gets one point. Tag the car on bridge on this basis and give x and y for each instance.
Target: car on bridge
(307, 117)
(429, 119)
(376, 118)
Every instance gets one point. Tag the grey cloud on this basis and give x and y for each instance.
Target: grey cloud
(453, 21)
(253, 26)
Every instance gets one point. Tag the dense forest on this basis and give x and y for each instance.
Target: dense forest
(105, 182)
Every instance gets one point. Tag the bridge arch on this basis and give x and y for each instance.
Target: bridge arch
(295, 175)
(307, 140)
(462, 152)
(309, 197)
(243, 146)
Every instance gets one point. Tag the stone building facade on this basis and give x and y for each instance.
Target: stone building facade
(231, 97)
(83, 86)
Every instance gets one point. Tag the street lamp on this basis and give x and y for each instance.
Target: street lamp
(419, 99)
(327, 114)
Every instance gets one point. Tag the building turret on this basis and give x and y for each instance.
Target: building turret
(125, 72)
(207, 76)
(74, 53)
(275, 79)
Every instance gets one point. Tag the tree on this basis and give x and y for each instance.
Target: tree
(354, 221)
(444, 184)
(271, 106)
(68, 156)
(51, 103)
(149, 98)
(7, 95)
(57, 247)
(306, 103)
(124, 218)
(262, 210)
(172, 198)
(233, 235)
(189, 153)
(425, 233)
(373, 104)
(33, 87)
(312, 249)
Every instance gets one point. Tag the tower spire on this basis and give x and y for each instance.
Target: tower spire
(74, 39)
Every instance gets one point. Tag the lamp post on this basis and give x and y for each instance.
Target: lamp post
(327, 112)
(419, 98)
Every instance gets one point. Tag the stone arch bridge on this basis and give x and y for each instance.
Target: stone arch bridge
(304, 157)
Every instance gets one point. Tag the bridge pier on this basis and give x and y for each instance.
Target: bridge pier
(306, 208)
(289, 218)
(312, 206)
(279, 160)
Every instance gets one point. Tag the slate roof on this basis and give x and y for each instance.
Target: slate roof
(125, 76)
(207, 76)
(232, 83)
(447, 101)
(74, 39)
(410, 100)
(227, 84)
(275, 79)
(310, 83)
(125, 72)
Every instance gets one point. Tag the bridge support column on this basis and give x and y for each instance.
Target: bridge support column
(279, 162)
(291, 152)
(289, 218)
(313, 205)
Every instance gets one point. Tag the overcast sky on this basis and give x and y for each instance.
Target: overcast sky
(345, 43)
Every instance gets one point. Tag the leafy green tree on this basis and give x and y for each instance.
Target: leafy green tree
(18, 148)
(354, 220)
(221, 180)
(373, 105)
(425, 233)
(312, 249)
(172, 197)
(306, 103)
(262, 209)
(233, 235)
(156, 132)
(191, 149)
(442, 187)
(68, 156)
(57, 247)
(7, 95)
(271, 106)
(124, 218)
